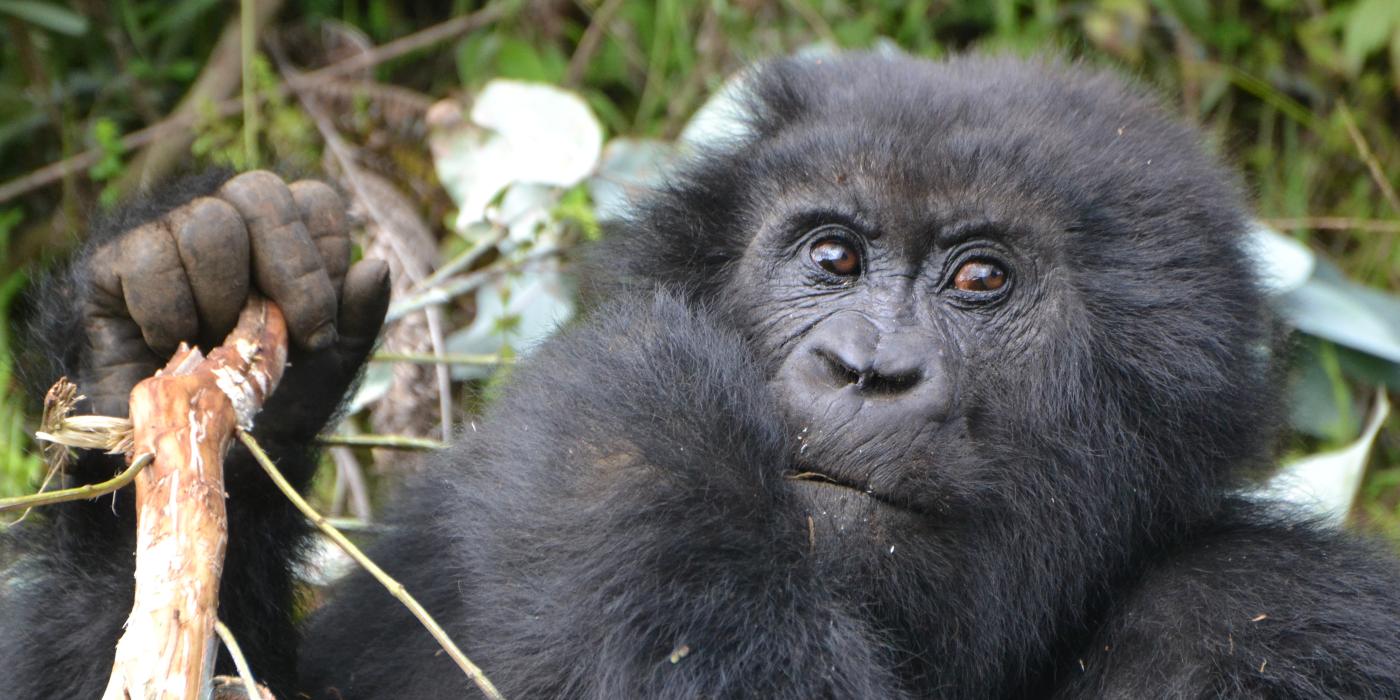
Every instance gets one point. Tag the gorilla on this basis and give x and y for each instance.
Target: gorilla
(941, 380)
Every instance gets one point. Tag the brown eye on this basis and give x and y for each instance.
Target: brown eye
(979, 276)
(836, 256)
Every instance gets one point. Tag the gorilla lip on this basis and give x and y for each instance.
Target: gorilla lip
(805, 474)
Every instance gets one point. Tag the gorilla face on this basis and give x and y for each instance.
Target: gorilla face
(976, 307)
(889, 303)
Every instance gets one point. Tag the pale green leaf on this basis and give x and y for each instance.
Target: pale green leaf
(1368, 28)
(54, 18)
(1326, 484)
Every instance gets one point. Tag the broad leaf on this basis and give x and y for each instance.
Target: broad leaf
(1326, 484)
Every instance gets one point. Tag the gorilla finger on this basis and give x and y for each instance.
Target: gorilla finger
(105, 296)
(156, 288)
(213, 245)
(364, 304)
(323, 212)
(286, 264)
(120, 358)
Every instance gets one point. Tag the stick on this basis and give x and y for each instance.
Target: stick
(1373, 166)
(186, 416)
(395, 588)
(393, 442)
(449, 359)
(240, 662)
(1336, 223)
(77, 493)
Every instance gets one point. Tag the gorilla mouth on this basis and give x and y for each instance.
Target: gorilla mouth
(806, 474)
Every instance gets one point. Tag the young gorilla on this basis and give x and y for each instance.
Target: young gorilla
(937, 384)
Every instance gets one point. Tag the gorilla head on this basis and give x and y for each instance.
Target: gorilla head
(1005, 312)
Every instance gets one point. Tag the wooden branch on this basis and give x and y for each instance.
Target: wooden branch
(186, 416)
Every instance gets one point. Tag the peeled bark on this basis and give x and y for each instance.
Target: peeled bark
(187, 415)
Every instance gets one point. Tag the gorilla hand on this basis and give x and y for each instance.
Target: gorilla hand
(186, 275)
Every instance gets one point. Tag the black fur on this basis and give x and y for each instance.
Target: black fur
(66, 572)
(622, 522)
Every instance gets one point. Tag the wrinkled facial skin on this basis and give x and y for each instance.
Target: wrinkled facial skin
(888, 307)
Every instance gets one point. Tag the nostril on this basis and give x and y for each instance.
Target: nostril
(873, 383)
(866, 380)
(841, 371)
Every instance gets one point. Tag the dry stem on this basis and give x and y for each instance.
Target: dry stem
(395, 588)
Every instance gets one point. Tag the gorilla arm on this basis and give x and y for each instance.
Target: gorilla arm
(1257, 607)
(618, 526)
(160, 273)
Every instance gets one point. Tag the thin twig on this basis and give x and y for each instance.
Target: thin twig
(457, 286)
(250, 685)
(449, 359)
(248, 44)
(349, 484)
(1335, 223)
(416, 41)
(77, 493)
(393, 442)
(467, 258)
(1369, 158)
(814, 20)
(597, 27)
(395, 588)
(441, 372)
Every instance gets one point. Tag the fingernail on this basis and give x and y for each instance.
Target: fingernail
(322, 337)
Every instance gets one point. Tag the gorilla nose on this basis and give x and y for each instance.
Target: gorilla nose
(893, 375)
(852, 363)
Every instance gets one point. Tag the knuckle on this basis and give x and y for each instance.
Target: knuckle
(261, 198)
(256, 179)
(312, 194)
(212, 228)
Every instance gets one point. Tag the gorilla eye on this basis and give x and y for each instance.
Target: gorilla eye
(979, 276)
(836, 256)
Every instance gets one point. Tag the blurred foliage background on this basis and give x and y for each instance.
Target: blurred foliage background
(100, 98)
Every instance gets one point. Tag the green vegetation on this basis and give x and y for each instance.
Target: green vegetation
(1301, 95)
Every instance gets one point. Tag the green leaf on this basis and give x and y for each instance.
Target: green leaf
(1368, 27)
(523, 61)
(1332, 307)
(51, 17)
(1321, 403)
(1327, 483)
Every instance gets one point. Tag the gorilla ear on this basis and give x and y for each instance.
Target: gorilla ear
(758, 102)
(755, 102)
(779, 93)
